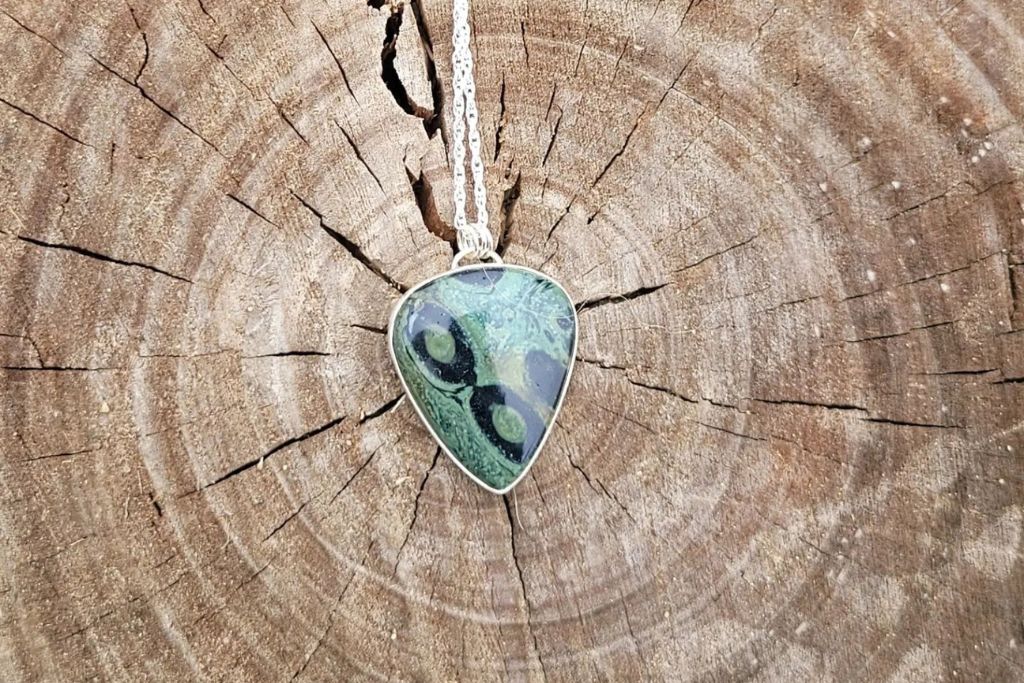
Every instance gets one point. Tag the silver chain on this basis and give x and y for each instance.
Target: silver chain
(473, 237)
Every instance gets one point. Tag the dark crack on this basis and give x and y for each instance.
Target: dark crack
(674, 83)
(369, 328)
(551, 142)
(662, 390)
(907, 423)
(508, 206)
(423, 193)
(39, 119)
(717, 253)
(522, 37)
(600, 487)
(34, 32)
(621, 150)
(923, 278)
(436, 87)
(287, 119)
(377, 412)
(276, 449)
(352, 478)
(134, 83)
(415, 510)
(55, 368)
(956, 373)
(558, 221)
(500, 128)
(601, 363)
(730, 432)
(597, 302)
(68, 454)
(81, 251)
(285, 521)
(334, 56)
(288, 354)
(431, 117)
(359, 156)
(202, 8)
(893, 335)
(354, 250)
(522, 583)
(811, 404)
(251, 209)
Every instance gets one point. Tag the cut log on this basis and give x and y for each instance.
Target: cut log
(792, 449)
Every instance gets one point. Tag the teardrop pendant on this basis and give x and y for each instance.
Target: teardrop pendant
(485, 353)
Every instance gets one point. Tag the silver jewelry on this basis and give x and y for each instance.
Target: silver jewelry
(484, 351)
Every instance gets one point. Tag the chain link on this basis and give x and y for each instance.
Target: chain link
(472, 237)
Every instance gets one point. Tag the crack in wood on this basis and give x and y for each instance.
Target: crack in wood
(353, 249)
(285, 521)
(661, 390)
(909, 423)
(622, 150)
(34, 32)
(359, 156)
(423, 194)
(597, 302)
(331, 615)
(731, 432)
(500, 128)
(352, 478)
(522, 584)
(894, 335)
(81, 251)
(266, 456)
(368, 328)
(289, 354)
(509, 199)
(334, 56)
(287, 119)
(68, 454)
(716, 254)
(51, 126)
(431, 117)
(809, 404)
(251, 209)
(603, 490)
(149, 98)
(385, 408)
(56, 368)
(522, 38)
(415, 511)
(202, 8)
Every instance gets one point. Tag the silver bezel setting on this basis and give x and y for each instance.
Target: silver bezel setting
(561, 397)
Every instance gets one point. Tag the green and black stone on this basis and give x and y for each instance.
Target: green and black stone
(485, 353)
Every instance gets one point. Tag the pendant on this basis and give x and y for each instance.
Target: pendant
(485, 353)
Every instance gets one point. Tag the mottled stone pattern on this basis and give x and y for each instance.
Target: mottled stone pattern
(485, 354)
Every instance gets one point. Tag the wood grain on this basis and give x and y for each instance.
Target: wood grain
(792, 448)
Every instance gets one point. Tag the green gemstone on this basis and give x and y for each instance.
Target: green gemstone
(485, 354)
(440, 344)
(509, 424)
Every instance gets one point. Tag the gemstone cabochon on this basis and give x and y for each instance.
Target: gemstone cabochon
(485, 354)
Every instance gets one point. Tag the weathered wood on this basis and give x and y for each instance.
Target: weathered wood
(792, 449)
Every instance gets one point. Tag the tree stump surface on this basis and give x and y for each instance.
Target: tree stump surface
(792, 446)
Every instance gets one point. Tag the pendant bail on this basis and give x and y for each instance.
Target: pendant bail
(489, 255)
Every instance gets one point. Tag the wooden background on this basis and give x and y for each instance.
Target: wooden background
(792, 448)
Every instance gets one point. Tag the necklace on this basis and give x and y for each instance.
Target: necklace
(484, 350)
